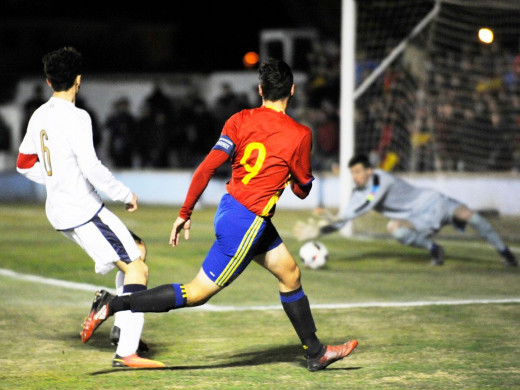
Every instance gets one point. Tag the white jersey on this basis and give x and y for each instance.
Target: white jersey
(60, 134)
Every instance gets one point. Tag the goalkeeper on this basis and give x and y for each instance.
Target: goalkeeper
(416, 214)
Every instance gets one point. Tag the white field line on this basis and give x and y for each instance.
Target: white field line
(228, 308)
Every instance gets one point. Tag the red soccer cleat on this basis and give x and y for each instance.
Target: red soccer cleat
(332, 354)
(98, 314)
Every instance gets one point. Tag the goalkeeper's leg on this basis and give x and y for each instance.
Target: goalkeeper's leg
(405, 233)
(485, 230)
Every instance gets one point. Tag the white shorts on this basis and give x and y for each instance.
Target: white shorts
(106, 240)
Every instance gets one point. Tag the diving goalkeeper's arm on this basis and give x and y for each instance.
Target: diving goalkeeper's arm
(361, 201)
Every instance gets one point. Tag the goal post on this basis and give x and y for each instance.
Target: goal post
(349, 92)
(348, 65)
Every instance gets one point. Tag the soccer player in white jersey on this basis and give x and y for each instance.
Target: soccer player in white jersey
(58, 152)
(416, 214)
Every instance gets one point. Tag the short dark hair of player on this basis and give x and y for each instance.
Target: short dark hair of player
(61, 67)
(276, 79)
(360, 159)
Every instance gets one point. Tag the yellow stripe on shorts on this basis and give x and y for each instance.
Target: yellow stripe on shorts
(243, 249)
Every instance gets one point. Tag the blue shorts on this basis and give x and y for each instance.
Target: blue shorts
(240, 236)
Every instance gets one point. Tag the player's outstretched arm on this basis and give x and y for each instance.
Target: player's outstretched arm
(178, 225)
(313, 228)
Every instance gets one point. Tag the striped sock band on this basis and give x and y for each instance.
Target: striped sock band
(181, 299)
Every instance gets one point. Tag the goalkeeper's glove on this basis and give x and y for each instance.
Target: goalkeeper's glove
(308, 230)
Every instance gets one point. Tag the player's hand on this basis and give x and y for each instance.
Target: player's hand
(178, 225)
(132, 206)
(306, 230)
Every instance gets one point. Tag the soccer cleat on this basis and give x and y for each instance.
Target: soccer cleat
(509, 258)
(331, 354)
(98, 314)
(114, 339)
(135, 361)
(437, 255)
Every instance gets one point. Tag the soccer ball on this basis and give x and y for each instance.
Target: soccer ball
(313, 254)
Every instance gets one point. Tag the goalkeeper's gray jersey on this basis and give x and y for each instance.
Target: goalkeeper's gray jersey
(396, 199)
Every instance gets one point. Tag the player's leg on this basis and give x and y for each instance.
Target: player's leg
(107, 240)
(226, 259)
(116, 328)
(135, 270)
(281, 264)
(167, 297)
(295, 303)
(406, 234)
(463, 215)
(120, 317)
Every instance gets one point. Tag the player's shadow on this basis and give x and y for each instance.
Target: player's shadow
(282, 354)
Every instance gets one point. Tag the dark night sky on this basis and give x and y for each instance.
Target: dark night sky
(198, 36)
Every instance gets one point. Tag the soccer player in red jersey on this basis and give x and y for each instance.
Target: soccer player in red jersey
(268, 151)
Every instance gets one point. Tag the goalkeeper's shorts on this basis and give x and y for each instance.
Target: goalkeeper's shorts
(435, 214)
(240, 236)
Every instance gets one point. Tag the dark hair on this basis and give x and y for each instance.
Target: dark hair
(359, 159)
(61, 67)
(276, 79)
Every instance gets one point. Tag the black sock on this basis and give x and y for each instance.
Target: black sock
(296, 306)
(159, 300)
(122, 302)
(119, 303)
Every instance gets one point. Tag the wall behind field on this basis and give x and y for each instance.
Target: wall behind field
(495, 192)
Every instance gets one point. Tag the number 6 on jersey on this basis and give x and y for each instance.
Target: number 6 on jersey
(46, 153)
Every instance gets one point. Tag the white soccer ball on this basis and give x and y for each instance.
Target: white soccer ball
(313, 254)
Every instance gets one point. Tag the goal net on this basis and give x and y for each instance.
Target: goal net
(430, 94)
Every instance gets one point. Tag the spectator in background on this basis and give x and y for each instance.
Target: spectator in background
(5, 136)
(197, 132)
(96, 128)
(226, 104)
(121, 127)
(30, 105)
(327, 137)
(155, 133)
(159, 102)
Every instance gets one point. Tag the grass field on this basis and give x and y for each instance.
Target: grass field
(242, 339)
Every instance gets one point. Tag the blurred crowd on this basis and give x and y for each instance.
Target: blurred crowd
(461, 112)
(177, 132)
(458, 111)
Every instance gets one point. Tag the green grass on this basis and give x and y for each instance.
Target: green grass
(427, 347)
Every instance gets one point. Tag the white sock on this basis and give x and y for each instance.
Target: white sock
(120, 282)
(131, 325)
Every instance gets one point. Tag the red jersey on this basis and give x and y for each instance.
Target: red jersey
(268, 149)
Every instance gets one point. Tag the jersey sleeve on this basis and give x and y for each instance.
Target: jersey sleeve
(27, 163)
(201, 178)
(95, 172)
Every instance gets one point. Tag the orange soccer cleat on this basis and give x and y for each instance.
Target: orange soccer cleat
(135, 361)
